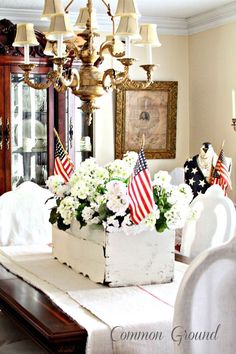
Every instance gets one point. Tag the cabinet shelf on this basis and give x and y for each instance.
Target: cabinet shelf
(33, 151)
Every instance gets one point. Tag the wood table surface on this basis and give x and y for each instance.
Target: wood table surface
(35, 313)
(40, 318)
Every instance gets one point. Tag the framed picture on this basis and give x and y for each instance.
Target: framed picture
(149, 112)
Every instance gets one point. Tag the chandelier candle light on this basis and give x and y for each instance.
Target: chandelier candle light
(66, 46)
(233, 110)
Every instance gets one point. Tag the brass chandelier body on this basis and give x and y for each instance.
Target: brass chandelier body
(87, 82)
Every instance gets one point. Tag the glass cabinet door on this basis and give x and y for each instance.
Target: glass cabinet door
(28, 131)
(79, 138)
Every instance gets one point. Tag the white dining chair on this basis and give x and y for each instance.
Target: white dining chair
(24, 216)
(177, 176)
(205, 307)
(215, 224)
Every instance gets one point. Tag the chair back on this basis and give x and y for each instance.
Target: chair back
(24, 216)
(205, 307)
(215, 225)
(177, 176)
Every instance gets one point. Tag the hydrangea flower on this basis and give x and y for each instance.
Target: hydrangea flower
(117, 197)
(67, 209)
(57, 186)
(161, 179)
(99, 195)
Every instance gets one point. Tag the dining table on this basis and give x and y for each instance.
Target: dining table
(64, 312)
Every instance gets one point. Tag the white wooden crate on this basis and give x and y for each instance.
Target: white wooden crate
(116, 258)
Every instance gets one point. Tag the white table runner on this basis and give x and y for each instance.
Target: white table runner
(110, 315)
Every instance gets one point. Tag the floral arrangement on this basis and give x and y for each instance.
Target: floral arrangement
(98, 195)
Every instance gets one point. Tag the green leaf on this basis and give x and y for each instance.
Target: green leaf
(81, 220)
(161, 224)
(102, 211)
(79, 211)
(58, 201)
(61, 224)
(53, 215)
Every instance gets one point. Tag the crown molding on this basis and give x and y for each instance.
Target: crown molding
(23, 15)
(165, 25)
(168, 25)
(212, 19)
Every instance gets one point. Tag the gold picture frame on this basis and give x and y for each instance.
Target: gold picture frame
(150, 111)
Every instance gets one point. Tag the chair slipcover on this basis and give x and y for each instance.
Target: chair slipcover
(24, 215)
(177, 176)
(206, 304)
(215, 225)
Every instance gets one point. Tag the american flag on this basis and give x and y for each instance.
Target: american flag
(220, 173)
(140, 191)
(63, 165)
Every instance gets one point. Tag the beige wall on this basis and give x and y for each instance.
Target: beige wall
(173, 60)
(212, 76)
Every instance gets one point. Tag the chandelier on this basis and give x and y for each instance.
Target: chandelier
(70, 45)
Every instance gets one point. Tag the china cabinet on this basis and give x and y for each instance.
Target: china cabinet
(79, 136)
(26, 115)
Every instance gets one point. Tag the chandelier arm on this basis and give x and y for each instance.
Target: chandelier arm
(108, 73)
(120, 79)
(51, 78)
(68, 5)
(117, 78)
(149, 68)
(73, 81)
(109, 45)
(59, 87)
(111, 15)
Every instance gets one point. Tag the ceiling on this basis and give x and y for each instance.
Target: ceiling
(176, 17)
(163, 8)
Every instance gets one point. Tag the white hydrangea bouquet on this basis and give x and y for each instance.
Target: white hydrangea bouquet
(98, 195)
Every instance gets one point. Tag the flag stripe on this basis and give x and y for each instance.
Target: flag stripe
(139, 213)
(67, 165)
(59, 170)
(147, 188)
(136, 216)
(140, 191)
(221, 174)
(137, 209)
(62, 165)
(143, 192)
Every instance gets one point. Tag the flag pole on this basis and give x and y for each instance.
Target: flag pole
(58, 138)
(143, 142)
(222, 145)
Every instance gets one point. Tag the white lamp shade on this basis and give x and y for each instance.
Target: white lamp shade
(60, 25)
(127, 8)
(128, 27)
(148, 35)
(51, 7)
(25, 35)
(119, 46)
(83, 18)
(51, 48)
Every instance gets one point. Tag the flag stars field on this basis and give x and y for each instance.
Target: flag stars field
(194, 171)
(192, 181)
(202, 183)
